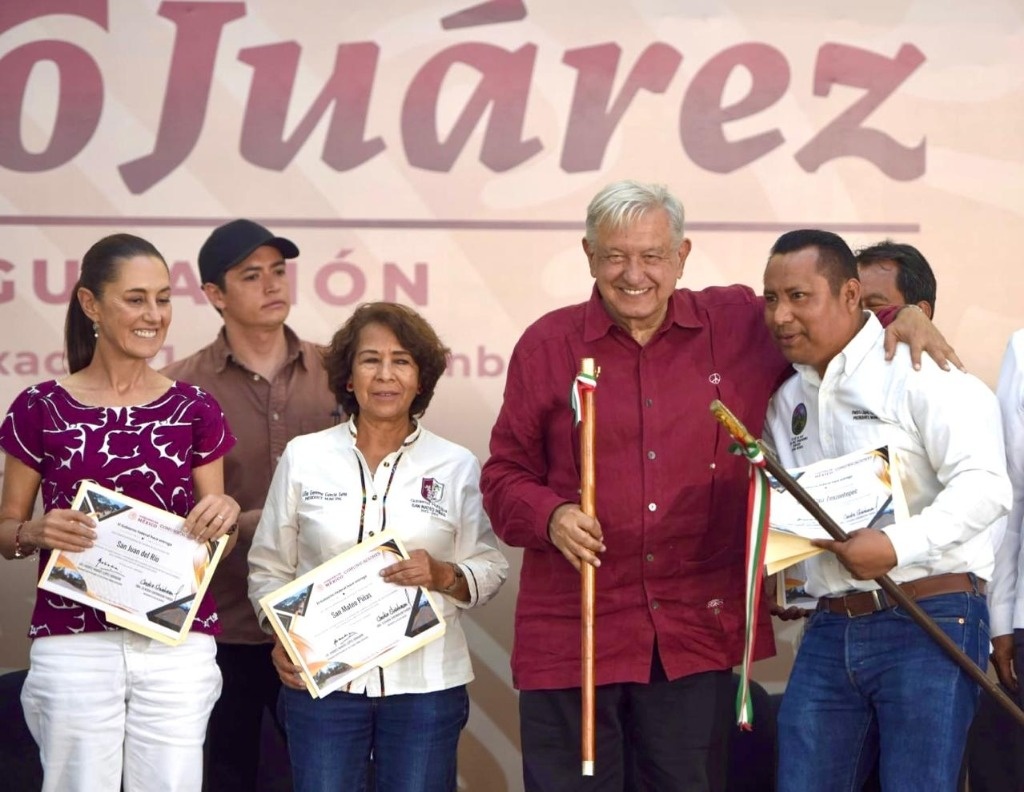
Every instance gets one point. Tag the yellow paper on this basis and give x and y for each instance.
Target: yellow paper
(785, 549)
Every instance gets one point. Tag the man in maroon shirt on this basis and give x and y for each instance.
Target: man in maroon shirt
(671, 501)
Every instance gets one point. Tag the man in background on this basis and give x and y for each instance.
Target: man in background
(1006, 595)
(272, 386)
(895, 274)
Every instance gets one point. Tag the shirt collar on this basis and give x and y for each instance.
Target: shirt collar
(414, 435)
(853, 354)
(597, 322)
(222, 350)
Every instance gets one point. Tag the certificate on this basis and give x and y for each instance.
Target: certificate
(342, 619)
(144, 571)
(858, 490)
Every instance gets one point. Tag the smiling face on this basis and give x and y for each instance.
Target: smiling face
(133, 311)
(810, 323)
(256, 291)
(636, 268)
(385, 378)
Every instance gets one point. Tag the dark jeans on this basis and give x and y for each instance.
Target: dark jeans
(233, 736)
(412, 737)
(878, 686)
(654, 737)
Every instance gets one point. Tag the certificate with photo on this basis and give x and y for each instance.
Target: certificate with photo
(342, 619)
(143, 571)
(858, 490)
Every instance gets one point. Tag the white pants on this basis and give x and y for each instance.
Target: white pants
(100, 703)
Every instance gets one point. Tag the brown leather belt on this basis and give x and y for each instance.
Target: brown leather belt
(861, 603)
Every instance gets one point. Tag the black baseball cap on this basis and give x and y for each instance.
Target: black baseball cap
(232, 243)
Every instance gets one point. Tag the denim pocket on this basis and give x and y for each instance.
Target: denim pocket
(962, 616)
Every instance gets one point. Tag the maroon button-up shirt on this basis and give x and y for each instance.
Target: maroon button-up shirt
(671, 499)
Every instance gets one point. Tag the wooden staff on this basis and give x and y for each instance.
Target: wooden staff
(588, 581)
(892, 590)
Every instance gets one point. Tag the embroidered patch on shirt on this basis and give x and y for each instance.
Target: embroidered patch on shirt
(431, 489)
(432, 492)
(799, 422)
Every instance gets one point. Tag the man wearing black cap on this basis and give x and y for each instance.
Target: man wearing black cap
(272, 387)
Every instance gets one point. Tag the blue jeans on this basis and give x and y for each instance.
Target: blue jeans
(877, 686)
(412, 737)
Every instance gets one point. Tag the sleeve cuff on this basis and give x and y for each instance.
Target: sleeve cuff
(909, 541)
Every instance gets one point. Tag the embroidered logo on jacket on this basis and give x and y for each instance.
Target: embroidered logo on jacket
(431, 489)
(432, 492)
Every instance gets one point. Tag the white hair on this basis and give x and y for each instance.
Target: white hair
(623, 202)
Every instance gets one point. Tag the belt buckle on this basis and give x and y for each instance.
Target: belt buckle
(878, 603)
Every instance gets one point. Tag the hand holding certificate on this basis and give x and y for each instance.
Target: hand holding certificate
(858, 490)
(342, 619)
(144, 570)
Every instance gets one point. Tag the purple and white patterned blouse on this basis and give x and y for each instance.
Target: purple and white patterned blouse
(146, 452)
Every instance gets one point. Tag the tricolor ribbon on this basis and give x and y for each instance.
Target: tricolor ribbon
(582, 384)
(757, 533)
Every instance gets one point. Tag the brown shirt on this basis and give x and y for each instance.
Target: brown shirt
(264, 416)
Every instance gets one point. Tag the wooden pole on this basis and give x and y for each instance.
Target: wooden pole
(587, 575)
(891, 589)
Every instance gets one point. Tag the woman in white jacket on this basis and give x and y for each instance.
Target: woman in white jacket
(336, 488)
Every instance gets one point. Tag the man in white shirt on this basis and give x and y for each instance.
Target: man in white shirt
(868, 682)
(1006, 599)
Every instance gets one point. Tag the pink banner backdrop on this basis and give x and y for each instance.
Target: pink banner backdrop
(442, 154)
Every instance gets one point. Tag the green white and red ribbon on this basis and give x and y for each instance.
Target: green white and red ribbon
(757, 533)
(582, 384)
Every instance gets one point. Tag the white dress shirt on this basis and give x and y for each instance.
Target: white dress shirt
(942, 427)
(1006, 594)
(427, 493)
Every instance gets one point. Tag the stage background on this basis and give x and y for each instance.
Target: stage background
(442, 154)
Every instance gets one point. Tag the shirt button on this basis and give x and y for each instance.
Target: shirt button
(275, 416)
(650, 556)
(712, 466)
(652, 507)
(387, 464)
(651, 455)
(374, 497)
(654, 605)
(371, 533)
(255, 377)
(649, 402)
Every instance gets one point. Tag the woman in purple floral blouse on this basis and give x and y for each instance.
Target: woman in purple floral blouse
(109, 706)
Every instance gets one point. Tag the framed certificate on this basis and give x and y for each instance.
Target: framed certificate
(341, 620)
(143, 571)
